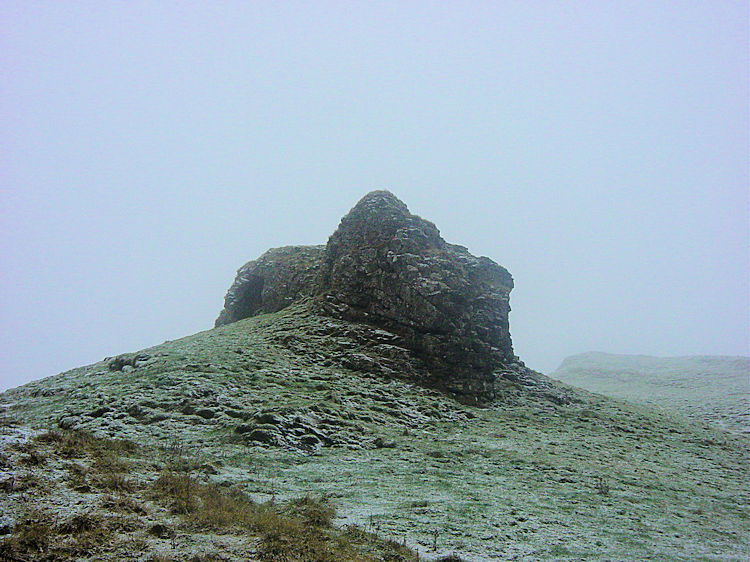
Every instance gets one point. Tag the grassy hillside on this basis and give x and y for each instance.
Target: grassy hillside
(282, 406)
(712, 388)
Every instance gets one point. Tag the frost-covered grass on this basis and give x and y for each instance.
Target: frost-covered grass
(525, 477)
(78, 516)
(704, 388)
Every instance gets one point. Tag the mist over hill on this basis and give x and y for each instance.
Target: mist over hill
(702, 387)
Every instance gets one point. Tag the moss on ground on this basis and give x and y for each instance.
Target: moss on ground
(265, 408)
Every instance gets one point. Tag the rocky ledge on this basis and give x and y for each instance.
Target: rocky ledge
(275, 280)
(390, 269)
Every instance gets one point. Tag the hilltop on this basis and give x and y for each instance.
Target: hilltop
(445, 310)
(706, 388)
(375, 376)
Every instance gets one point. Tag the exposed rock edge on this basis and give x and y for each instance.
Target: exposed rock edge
(391, 269)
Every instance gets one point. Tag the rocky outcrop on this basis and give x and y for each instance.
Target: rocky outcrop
(272, 282)
(387, 267)
(391, 269)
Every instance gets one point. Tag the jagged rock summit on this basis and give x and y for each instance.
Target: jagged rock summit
(390, 269)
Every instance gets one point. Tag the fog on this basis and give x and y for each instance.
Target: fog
(597, 150)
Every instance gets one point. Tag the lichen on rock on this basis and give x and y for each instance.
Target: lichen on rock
(387, 267)
(274, 281)
(391, 269)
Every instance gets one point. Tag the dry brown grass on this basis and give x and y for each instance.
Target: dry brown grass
(77, 444)
(298, 530)
(38, 536)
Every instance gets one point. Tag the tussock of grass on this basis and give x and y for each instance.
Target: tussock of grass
(39, 536)
(77, 444)
(123, 504)
(298, 530)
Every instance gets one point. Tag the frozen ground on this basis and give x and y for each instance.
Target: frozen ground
(267, 402)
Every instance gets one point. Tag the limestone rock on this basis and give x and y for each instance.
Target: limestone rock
(128, 361)
(272, 282)
(389, 269)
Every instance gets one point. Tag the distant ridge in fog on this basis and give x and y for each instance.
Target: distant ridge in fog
(703, 387)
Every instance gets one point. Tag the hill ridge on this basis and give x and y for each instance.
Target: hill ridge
(713, 388)
(314, 402)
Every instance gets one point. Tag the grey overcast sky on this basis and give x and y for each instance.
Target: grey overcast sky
(598, 150)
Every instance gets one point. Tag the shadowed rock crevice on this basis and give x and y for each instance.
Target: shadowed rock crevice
(388, 268)
(275, 280)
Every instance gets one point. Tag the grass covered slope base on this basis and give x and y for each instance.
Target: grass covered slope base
(109, 499)
(257, 414)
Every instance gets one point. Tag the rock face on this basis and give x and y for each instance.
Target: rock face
(387, 267)
(390, 269)
(272, 282)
